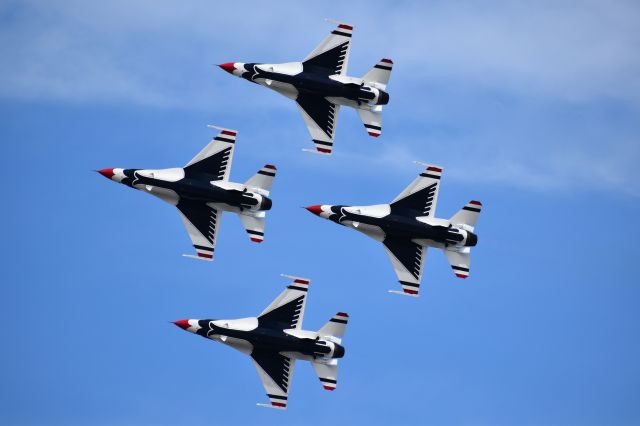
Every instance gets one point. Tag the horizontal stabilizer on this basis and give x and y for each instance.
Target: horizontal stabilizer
(380, 73)
(327, 373)
(336, 325)
(372, 121)
(468, 215)
(254, 226)
(263, 179)
(459, 262)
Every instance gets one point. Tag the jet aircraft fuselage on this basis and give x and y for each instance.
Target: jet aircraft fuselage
(310, 81)
(320, 85)
(261, 337)
(201, 192)
(174, 184)
(403, 224)
(275, 340)
(407, 227)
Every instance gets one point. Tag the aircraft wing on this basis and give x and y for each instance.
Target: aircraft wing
(422, 194)
(332, 55)
(320, 117)
(275, 371)
(287, 310)
(407, 258)
(215, 159)
(201, 221)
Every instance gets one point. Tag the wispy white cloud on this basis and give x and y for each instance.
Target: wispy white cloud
(541, 95)
(555, 49)
(612, 169)
(128, 50)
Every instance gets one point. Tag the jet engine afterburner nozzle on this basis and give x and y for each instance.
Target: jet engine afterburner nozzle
(266, 203)
(472, 239)
(338, 351)
(383, 98)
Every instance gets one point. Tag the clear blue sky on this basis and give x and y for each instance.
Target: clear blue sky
(532, 108)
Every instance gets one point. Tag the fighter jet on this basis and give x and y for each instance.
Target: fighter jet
(319, 85)
(275, 340)
(408, 226)
(201, 191)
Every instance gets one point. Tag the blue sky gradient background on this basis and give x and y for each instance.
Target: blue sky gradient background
(532, 108)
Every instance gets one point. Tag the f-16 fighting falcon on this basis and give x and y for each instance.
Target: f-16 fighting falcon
(275, 340)
(408, 226)
(319, 85)
(201, 191)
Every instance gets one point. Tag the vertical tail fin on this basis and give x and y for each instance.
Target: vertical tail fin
(263, 179)
(380, 73)
(336, 325)
(468, 215)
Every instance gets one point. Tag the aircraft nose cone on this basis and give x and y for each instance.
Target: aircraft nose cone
(183, 324)
(315, 209)
(228, 67)
(108, 173)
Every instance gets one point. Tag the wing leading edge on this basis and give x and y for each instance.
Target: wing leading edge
(275, 371)
(422, 194)
(320, 116)
(201, 221)
(287, 310)
(332, 54)
(215, 159)
(407, 259)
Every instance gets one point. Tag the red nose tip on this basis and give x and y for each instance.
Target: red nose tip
(108, 173)
(228, 67)
(315, 209)
(183, 324)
